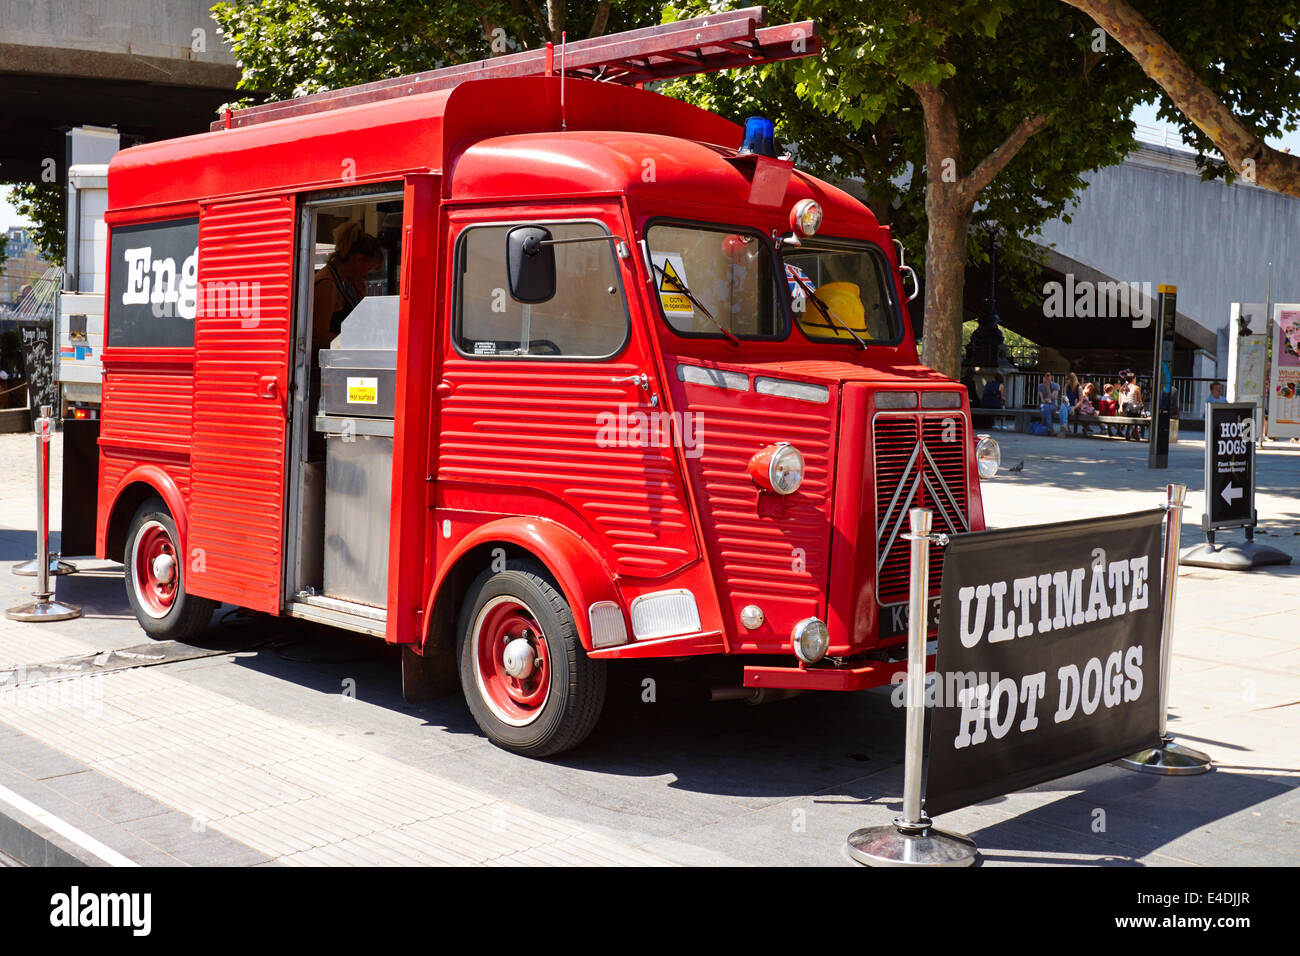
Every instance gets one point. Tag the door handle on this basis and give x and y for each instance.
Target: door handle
(642, 380)
(268, 386)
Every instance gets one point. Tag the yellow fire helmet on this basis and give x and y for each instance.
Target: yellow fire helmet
(845, 300)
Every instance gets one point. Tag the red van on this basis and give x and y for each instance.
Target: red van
(526, 371)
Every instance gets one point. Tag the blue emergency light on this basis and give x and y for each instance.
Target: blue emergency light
(760, 138)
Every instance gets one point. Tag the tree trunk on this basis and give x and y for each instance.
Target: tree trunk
(947, 214)
(1244, 150)
(949, 199)
(945, 285)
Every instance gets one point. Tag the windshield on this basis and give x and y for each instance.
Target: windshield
(850, 289)
(715, 282)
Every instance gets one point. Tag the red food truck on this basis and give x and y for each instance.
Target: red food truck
(526, 369)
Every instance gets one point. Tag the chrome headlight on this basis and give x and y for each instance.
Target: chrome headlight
(778, 468)
(811, 640)
(988, 456)
(806, 217)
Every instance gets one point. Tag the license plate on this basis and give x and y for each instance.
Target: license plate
(893, 619)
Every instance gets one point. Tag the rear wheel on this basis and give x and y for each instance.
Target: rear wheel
(155, 578)
(528, 682)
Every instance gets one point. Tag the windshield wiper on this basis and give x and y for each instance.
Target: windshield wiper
(681, 286)
(825, 309)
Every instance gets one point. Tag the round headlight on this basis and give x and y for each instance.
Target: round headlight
(778, 468)
(806, 217)
(988, 456)
(810, 640)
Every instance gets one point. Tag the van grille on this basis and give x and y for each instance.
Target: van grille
(920, 461)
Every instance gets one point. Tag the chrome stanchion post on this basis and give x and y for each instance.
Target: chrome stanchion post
(44, 608)
(911, 840)
(44, 431)
(1169, 758)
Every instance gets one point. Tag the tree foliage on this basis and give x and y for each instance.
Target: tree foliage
(288, 48)
(45, 206)
(1228, 76)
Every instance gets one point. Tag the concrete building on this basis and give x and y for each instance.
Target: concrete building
(151, 68)
(1154, 220)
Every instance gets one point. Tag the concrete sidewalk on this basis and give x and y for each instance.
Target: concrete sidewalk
(276, 742)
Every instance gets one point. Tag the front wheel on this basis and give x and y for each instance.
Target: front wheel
(527, 680)
(155, 578)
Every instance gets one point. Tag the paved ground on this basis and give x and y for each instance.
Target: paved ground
(282, 743)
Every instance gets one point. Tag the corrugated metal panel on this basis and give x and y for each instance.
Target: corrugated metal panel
(775, 553)
(237, 495)
(540, 428)
(148, 408)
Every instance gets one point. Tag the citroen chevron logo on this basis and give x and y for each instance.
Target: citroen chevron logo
(921, 471)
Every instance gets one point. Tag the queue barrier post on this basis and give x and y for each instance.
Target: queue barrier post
(1169, 758)
(911, 840)
(44, 608)
(53, 565)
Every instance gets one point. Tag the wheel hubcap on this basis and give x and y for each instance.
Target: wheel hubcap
(519, 658)
(153, 560)
(511, 661)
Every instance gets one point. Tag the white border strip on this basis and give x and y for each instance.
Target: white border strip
(64, 829)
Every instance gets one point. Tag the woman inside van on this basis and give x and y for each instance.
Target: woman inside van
(341, 282)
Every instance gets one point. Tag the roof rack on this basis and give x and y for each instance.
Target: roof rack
(720, 41)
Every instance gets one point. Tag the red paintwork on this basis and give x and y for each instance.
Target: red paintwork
(500, 452)
(861, 677)
(241, 380)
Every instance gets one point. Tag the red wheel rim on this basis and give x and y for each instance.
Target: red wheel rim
(514, 700)
(155, 592)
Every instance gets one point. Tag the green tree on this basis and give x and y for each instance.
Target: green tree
(955, 114)
(1230, 76)
(45, 206)
(288, 48)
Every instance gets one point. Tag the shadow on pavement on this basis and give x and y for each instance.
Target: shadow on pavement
(840, 750)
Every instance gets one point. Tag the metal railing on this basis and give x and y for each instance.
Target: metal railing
(1021, 389)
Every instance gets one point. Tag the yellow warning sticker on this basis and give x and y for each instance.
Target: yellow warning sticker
(363, 391)
(672, 285)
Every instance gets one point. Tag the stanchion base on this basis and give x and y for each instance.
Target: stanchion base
(28, 569)
(897, 846)
(1169, 759)
(38, 611)
(1233, 557)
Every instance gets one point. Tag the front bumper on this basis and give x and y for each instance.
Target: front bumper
(859, 676)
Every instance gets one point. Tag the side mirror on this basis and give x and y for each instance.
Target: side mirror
(530, 264)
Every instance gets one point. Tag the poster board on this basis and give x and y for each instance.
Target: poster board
(1248, 357)
(1284, 373)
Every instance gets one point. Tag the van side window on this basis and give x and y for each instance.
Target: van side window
(587, 318)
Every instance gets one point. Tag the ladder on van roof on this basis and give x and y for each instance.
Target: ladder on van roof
(720, 41)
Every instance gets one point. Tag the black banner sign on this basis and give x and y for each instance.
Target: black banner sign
(153, 284)
(1229, 464)
(1048, 656)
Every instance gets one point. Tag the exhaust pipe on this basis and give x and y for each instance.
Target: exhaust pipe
(752, 695)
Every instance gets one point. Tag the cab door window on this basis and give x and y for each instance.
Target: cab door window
(586, 319)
